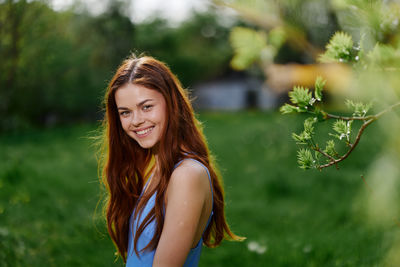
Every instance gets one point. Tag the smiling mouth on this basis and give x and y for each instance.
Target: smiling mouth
(144, 132)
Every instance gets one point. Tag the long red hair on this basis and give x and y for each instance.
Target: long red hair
(125, 162)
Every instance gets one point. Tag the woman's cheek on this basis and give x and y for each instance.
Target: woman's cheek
(125, 124)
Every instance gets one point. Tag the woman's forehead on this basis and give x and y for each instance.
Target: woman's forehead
(134, 94)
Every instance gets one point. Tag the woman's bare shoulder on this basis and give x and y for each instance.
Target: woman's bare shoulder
(190, 174)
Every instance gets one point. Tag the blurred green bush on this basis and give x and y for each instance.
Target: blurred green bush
(55, 66)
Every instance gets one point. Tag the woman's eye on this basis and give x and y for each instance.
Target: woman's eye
(147, 107)
(124, 113)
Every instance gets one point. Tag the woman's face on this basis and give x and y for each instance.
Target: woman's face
(142, 113)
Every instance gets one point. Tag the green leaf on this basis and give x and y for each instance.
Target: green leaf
(339, 126)
(305, 136)
(287, 109)
(309, 125)
(301, 96)
(317, 156)
(276, 37)
(359, 109)
(343, 128)
(384, 56)
(299, 138)
(247, 45)
(349, 103)
(319, 86)
(339, 49)
(330, 148)
(305, 159)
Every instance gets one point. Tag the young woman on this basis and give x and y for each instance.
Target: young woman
(164, 196)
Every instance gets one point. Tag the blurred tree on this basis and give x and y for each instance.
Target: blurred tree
(196, 50)
(11, 14)
(285, 32)
(55, 65)
(42, 75)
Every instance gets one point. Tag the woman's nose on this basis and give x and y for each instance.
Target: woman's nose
(137, 119)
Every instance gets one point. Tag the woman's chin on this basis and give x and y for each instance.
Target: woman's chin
(147, 144)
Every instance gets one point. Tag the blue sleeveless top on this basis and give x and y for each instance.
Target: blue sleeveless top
(146, 256)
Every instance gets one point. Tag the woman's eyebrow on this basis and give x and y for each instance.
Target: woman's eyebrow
(143, 102)
(138, 105)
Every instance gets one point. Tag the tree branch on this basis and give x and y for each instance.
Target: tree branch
(387, 110)
(332, 116)
(367, 121)
(326, 155)
(360, 131)
(366, 118)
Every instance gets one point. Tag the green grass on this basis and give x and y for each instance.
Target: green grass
(49, 191)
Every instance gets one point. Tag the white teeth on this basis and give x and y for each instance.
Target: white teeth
(144, 131)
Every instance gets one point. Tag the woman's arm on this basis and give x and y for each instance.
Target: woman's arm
(186, 196)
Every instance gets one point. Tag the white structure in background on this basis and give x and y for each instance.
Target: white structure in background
(233, 94)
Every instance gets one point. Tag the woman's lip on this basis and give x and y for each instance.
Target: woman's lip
(145, 131)
(142, 129)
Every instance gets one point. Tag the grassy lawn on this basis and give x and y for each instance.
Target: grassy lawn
(49, 191)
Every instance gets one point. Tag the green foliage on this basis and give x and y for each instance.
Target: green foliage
(309, 125)
(339, 49)
(375, 52)
(359, 109)
(301, 138)
(60, 67)
(305, 137)
(301, 97)
(287, 109)
(196, 50)
(277, 37)
(330, 149)
(384, 56)
(319, 86)
(247, 45)
(55, 66)
(374, 20)
(343, 129)
(372, 73)
(303, 102)
(305, 159)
